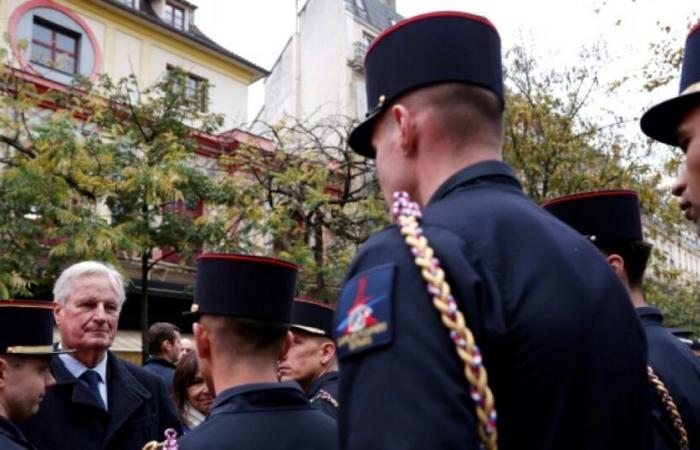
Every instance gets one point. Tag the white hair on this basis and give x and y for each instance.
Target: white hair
(62, 288)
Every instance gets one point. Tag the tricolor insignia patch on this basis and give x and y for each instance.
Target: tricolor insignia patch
(363, 317)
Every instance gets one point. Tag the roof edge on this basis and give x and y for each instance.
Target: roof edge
(257, 70)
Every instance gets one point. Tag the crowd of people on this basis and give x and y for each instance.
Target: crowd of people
(477, 320)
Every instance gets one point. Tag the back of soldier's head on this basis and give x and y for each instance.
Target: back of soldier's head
(240, 337)
(462, 113)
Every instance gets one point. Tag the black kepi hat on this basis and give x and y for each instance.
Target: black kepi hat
(312, 317)
(612, 215)
(429, 49)
(661, 121)
(26, 328)
(244, 286)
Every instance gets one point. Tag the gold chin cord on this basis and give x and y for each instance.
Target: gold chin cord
(170, 442)
(407, 215)
(671, 409)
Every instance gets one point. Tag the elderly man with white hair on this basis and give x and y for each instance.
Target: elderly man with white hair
(99, 402)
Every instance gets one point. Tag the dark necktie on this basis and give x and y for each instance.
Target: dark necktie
(92, 379)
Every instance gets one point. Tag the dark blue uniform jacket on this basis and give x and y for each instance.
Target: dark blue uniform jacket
(679, 369)
(263, 416)
(70, 417)
(11, 438)
(323, 393)
(565, 353)
(164, 369)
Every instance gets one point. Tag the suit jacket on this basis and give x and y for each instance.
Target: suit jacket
(71, 418)
(164, 369)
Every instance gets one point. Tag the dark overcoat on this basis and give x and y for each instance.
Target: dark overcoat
(70, 417)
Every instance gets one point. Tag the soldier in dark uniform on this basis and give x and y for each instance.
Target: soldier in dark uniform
(311, 359)
(676, 122)
(26, 343)
(613, 222)
(244, 308)
(563, 349)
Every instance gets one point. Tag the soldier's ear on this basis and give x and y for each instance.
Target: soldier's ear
(327, 351)
(406, 125)
(203, 341)
(617, 263)
(286, 345)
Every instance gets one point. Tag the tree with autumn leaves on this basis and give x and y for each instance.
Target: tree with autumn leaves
(558, 147)
(110, 171)
(102, 170)
(315, 201)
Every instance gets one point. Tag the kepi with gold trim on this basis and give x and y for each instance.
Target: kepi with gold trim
(312, 317)
(26, 328)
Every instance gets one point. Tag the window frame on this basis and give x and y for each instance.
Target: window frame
(52, 46)
(172, 16)
(201, 87)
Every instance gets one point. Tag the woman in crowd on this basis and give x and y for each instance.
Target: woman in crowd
(190, 394)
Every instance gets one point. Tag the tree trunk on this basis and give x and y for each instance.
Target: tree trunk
(320, 287)
(145, 255)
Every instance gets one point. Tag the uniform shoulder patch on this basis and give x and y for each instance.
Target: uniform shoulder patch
(364, 312)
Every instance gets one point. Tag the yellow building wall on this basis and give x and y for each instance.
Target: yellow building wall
(129, 45)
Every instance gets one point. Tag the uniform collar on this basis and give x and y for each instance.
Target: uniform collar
(10, 430)
(258, 396)
(469, 174)
(320, 381)
(650, 314)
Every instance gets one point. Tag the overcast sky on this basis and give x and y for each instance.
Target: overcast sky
(555, 30)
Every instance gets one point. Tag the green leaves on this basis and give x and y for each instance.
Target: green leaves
(102, 170)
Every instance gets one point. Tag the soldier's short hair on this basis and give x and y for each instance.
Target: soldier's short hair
(464, 112)
(635, 254)
(246, 337)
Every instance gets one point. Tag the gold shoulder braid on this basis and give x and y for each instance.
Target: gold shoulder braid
(671, 408)
(325, 396)
(170, 442)
(407, 214)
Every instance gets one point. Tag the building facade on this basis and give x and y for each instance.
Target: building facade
(53, 41)
(320, 72)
